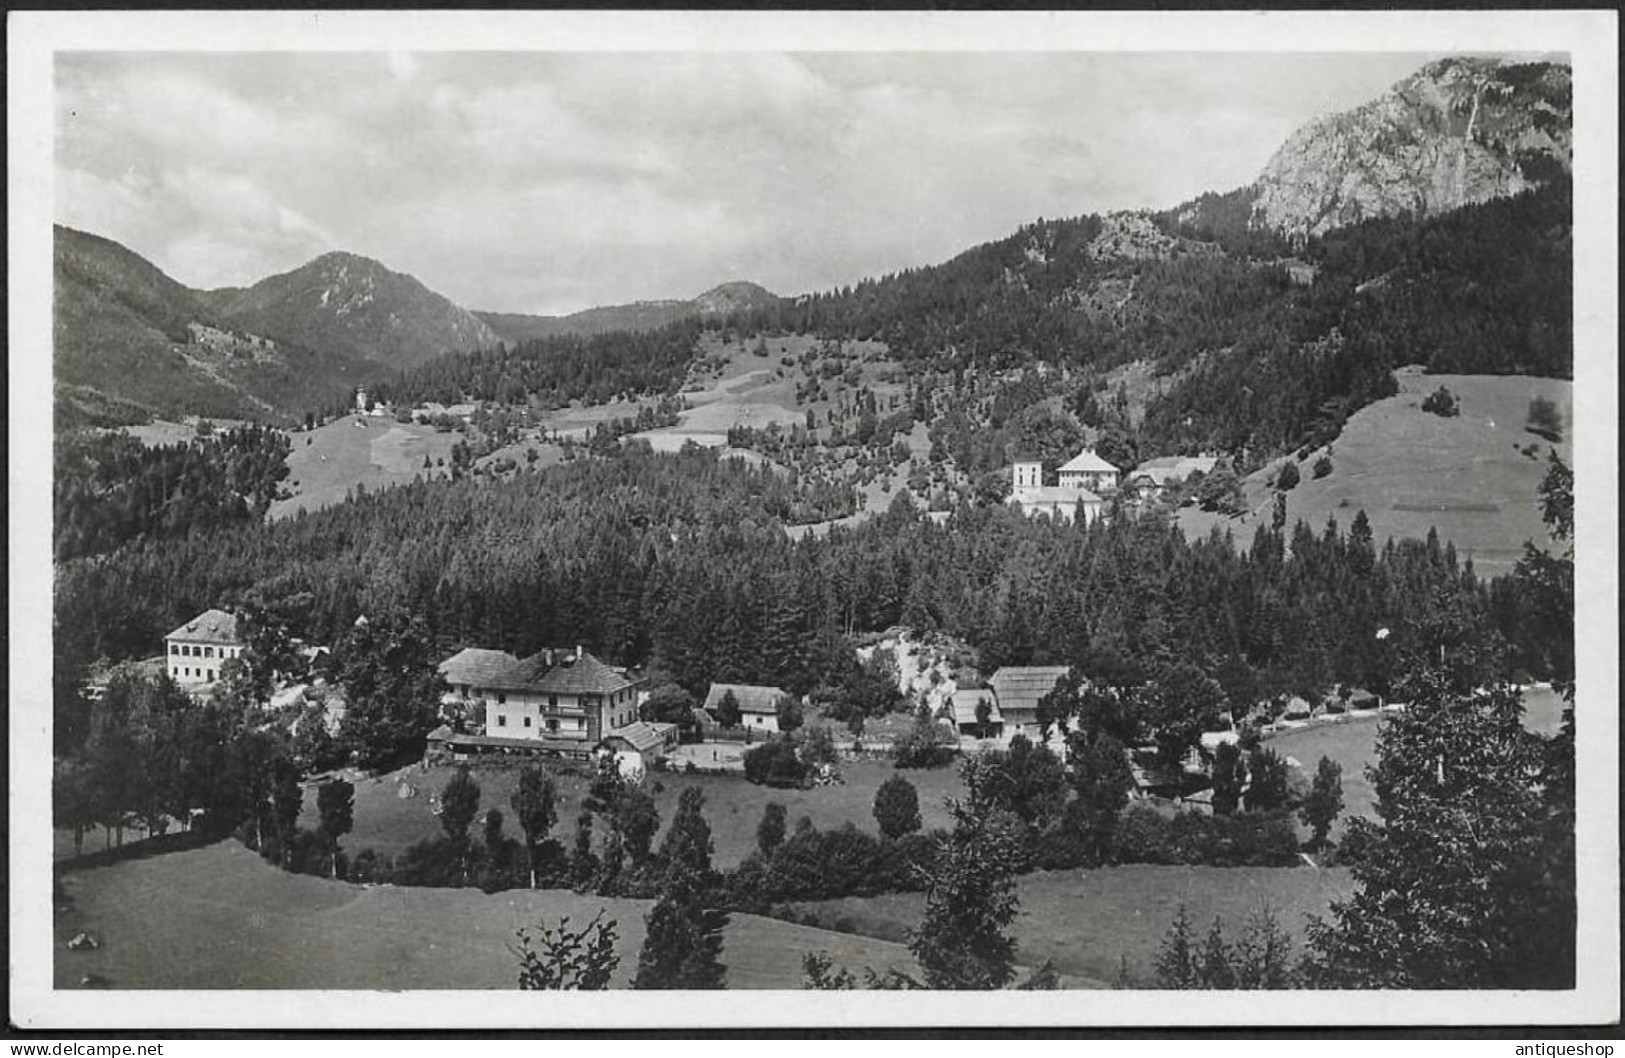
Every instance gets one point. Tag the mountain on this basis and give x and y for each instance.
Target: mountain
(131, 343)
(1457, 132)
(639, 316)
(345, 304)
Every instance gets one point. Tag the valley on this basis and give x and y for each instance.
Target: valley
(998, 622)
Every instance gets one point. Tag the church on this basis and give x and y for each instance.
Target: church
(1075, 499)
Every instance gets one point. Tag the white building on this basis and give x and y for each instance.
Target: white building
(1064, 502)
(1088, 471)
(555, 695)
(194, 652)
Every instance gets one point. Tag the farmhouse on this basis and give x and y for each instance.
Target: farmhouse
(194, 651)
(1016, 691)
(758, 706)
(1064, 502)
(555, 695)
(1157, 475)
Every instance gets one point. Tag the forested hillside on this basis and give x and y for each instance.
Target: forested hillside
(556, 370)
(1249, 361)
(110, 489)
(130, 343)
(676, 560)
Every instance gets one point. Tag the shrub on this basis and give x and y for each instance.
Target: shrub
(897, 807)
(775, 763)
(1245, 839)
(926, 745)
(1441, 402)
(1288, 478)
(1545, 419)
(1323, 466)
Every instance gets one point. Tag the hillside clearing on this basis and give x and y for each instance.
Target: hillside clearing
(1468, 476)
(220, 917)
(328, 462)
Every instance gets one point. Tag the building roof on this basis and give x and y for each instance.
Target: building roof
(641, 735)
(1089, 463)
(1212, 740)
(1018, 687)
(475, 667)
(544, 672)
(751, 699)
(211, 626)
(964, 705)
(1165, 469)
(1054, 494)
(583, 674)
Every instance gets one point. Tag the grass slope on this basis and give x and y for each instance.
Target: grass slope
(329, 461)
(219, 917)
(1410, 470)
(1088, 921)
(388, 823)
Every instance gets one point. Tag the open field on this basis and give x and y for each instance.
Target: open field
(731, 386)
(220, 917)
(1087, 921)
(388, 823)
(1352, 744)
(1409, 470)
(330, 460)
(162, 432)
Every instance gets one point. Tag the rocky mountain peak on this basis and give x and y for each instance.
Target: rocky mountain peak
(1458, 131)
(733, 297)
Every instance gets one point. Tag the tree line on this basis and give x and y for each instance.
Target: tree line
(109, 488)
(679, 561)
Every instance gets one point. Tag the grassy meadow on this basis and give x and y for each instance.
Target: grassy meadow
(220, 917)
(329, 461)
(388, 823)
(1088, 921)
(1468, 476)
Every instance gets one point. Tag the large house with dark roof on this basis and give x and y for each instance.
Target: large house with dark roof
(555, 695)
(194, 652)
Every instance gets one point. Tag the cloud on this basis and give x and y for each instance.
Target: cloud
(551, 182)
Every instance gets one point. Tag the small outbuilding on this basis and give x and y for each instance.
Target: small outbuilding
(637, 745)
(965, 703)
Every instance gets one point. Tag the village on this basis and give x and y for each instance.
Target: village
(565, 704)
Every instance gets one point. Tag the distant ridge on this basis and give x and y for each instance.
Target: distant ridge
(737, 296)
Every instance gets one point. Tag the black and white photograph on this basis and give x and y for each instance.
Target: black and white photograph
(899, 505)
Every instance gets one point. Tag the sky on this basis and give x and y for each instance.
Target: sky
(549, 182)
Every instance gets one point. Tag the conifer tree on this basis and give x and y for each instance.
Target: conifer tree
(1175, 965)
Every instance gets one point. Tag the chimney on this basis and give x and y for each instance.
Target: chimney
(578, 651)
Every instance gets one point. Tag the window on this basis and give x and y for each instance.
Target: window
(173, 649)
(208, 652)
(552, 724)
(527, 721)
(552, 701)
(502, 698)
(211, 675)
(502, 721)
